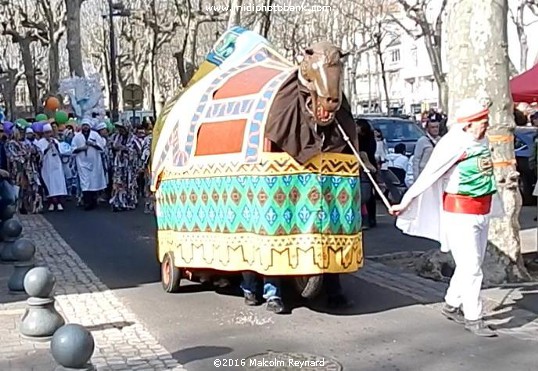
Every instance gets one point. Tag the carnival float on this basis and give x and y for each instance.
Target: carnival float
(240, 183)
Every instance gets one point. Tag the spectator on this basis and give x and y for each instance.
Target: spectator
(424, 147)
(520, 118)
(409, 178)
(367, 145)
(387, 177)
(434, 116)
(398, 158)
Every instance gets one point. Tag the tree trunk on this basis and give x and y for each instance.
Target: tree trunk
(478, 68)
(152, 85)
(29, 71)
(434, 53)
(192, 38)
(73, 37)
(383, 76)
(442, 86)
(263, 24)
(54, 67)
(524, 51)
(8, 86)
(235, 13)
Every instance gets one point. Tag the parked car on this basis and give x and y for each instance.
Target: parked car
(396, 130)
(524, 137)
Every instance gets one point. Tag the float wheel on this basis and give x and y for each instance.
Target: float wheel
(170, 274)
(309, 287)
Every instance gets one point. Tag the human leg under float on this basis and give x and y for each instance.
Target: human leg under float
(366, 194)
(333, 289)
(467, 241)
(271, 291)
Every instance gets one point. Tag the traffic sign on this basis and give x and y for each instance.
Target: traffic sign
(133, 97)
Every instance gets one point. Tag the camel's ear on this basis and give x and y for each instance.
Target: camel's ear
(308, 51)
(344, 54)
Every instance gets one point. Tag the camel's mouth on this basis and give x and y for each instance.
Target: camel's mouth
(321, 115)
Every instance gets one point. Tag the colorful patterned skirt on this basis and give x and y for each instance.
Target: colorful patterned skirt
(275, 217)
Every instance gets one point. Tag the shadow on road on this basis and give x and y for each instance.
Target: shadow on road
(118, 247)
(197, 353)
(527, 301)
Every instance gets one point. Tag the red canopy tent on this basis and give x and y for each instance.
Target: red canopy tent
(524, 87)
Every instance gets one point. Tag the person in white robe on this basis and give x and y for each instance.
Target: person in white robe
(102, 130)
(87, 147)
(452, 201)
(52, 170)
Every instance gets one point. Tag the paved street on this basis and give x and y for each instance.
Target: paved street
(389, 327)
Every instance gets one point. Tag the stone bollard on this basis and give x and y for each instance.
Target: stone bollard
(11, 230)
(8, 211)
(23, 251)
(41, 319)
(72, 347)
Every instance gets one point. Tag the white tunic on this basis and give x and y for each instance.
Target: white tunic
(89, 162)
(52, 169)
(422, 217)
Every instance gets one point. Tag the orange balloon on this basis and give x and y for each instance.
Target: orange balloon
(52, 103)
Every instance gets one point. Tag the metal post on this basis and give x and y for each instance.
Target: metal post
(35, 103)
(113, 77)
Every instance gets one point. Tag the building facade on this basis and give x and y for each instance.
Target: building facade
(410, 81)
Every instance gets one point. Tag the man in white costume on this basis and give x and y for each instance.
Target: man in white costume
(452, 201)
(51, 170)
(87, 147)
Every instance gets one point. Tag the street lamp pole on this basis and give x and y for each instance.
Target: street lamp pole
(113, 76)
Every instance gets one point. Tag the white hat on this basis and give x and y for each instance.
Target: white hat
(470, 110)
(29, 131)
(86, 122)
(100, 126)
(47, 127)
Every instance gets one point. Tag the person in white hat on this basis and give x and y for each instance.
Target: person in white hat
(87, 147)
(52, 170)
(29, 137)
(452, 202)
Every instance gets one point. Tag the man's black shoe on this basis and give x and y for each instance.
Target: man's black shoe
(275, 305)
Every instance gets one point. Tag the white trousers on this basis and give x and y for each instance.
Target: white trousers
(467, 238)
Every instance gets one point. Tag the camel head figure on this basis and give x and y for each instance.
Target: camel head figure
(321, 72)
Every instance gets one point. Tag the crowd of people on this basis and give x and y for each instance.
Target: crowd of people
(88, 161)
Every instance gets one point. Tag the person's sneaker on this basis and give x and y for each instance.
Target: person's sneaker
(250, 299)
(276, 305)
(51, 207)
(453, 314)
(60, 207)
(479, 328)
